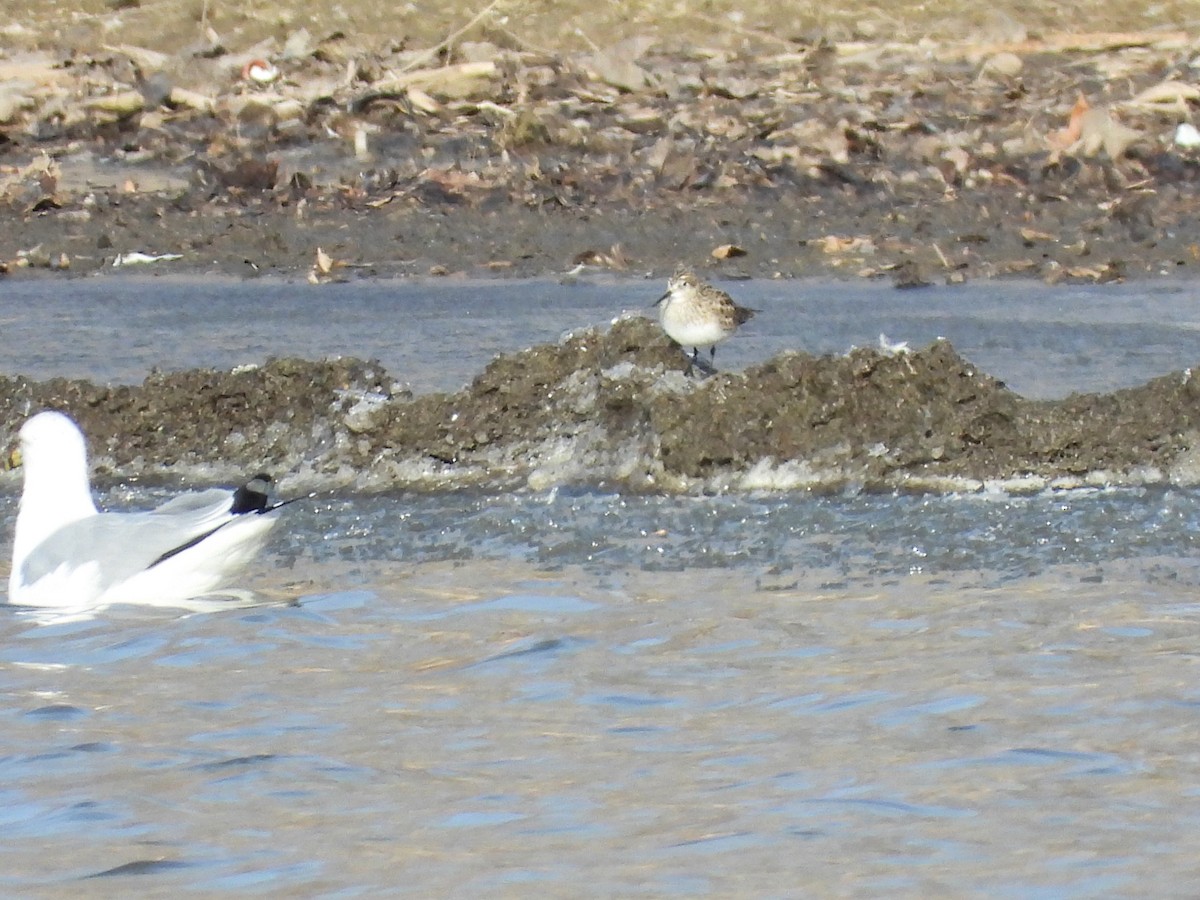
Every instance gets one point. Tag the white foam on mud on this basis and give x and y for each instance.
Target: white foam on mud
(907, 482)
(558, 462)
(1017, 485)
(587, 457)
(1185, 471)
(793, 475)
(367, 413)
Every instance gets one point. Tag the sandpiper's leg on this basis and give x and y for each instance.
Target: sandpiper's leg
(692, 360)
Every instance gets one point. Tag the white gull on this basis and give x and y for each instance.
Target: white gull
(69, 556)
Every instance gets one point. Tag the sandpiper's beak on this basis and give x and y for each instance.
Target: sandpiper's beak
(661, 299)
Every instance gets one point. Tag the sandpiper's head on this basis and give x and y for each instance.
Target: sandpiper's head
(682, 280)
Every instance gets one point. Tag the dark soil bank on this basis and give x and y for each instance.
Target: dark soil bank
(613, 409)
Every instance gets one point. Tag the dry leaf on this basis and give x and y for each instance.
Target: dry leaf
(1014, 266)
(835, 243)
(727, 251)
(1166, 94)
(1101, 131)
(122, 103)
(1005, 65)
(456, 82)
(190, 99)
(1061, 140)
(422, 102)
(1187, 136)
(1090, 131)
(617, 66)
(1032, 235)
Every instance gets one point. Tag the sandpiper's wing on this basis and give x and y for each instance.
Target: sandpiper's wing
(743, 314)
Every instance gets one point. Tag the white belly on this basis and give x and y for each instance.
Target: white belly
(692, 331)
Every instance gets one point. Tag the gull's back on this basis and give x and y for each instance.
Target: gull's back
(187, 547)
(123, 544)
(68, 555)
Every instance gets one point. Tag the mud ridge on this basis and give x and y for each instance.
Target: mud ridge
(612, 409)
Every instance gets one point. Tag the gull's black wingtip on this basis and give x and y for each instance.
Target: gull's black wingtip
(252, 497)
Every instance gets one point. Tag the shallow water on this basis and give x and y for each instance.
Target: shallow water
(437, 335)
(468, 694)
(502, 695)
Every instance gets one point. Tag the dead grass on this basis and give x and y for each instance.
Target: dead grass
(570, 26)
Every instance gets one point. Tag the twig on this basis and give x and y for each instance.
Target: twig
(437, 48)
(942, 257)
(522, 42)
(757, 33)
(587, 40)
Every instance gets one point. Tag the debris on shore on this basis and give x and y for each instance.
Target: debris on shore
(1056, 157)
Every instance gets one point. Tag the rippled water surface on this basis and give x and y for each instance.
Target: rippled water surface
(589, 694)
(584, 694)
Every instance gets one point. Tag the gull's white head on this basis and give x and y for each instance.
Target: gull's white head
(54, 461)
(56, 489)
(50, 440)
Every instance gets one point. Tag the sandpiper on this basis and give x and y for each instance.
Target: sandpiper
(696, 314)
